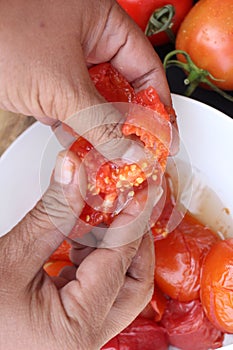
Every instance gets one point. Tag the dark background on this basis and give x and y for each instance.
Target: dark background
(176, 78)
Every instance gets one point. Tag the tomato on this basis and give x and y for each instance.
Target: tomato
(158, 303)
(110, 180)
(188, 328)
(62, 252)
(141, 334)
(162, 212)
(155, 308)
(206, 34)
(141, 12)
(111, 84)
(217, 285)
(179, 258)
(53, 268)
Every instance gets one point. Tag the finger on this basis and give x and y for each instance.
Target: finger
(45, 226)
(136, 291)
(68, 273)
(133, 221)
(79, 252)
(101, 275)
(132, 54)
(88, 299)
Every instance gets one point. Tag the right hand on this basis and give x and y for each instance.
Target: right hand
(47, 46)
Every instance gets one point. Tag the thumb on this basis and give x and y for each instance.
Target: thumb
(29, 244)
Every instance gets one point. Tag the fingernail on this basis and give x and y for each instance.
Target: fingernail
(64, 170)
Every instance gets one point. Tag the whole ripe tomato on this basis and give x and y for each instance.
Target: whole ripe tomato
(188, 328)
(179, 258)
(217, 285)
(206, 34)
(141, 11)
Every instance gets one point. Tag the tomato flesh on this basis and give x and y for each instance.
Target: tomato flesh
(110, 180)
(54, 267)
(188, 328)
(62, 252)
(179, 258)
(180, 253)
(141, 334)
(111, 84)
(217, 285)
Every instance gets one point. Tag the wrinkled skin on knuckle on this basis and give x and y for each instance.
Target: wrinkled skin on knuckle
(85, 322)
(60, 206)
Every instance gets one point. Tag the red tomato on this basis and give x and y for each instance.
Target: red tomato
(111, 84)
(217, 285)
(158, 303)
(179, 258)
(109, 179)
(53, 268)
(188, 328)
(115, 88)
(162, 212)
(155, 309)
(206, 34)
(141, 334)
(141, 11)
(62, 252)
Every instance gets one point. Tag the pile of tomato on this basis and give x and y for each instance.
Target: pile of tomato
(201, 31)
(192, 305)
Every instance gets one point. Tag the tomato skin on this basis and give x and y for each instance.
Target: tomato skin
(206, 34)
(188, 328)
(53, 268)
(217, 285)
(141, 334)
(158, 303)
(141, 10)
(179, 257)
(62, 252)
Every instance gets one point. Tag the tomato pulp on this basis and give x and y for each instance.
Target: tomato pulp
(217, 285)
(107, 180)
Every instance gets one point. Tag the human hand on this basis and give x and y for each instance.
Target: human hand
(88, 305)
(46, 47)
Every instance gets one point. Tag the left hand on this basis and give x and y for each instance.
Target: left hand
(103, 293)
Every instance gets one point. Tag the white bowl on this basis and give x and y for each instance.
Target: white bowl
(206, 179)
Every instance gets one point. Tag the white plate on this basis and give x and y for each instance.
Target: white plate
(207, 142)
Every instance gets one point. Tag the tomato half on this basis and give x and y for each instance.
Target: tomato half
(188, 328)
(141, 12)
(217, 285)
(110, 180)
(179, 258)
(206, 34)
(141, 334)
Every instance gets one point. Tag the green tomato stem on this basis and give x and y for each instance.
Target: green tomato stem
(195, 75)
(161, 20)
